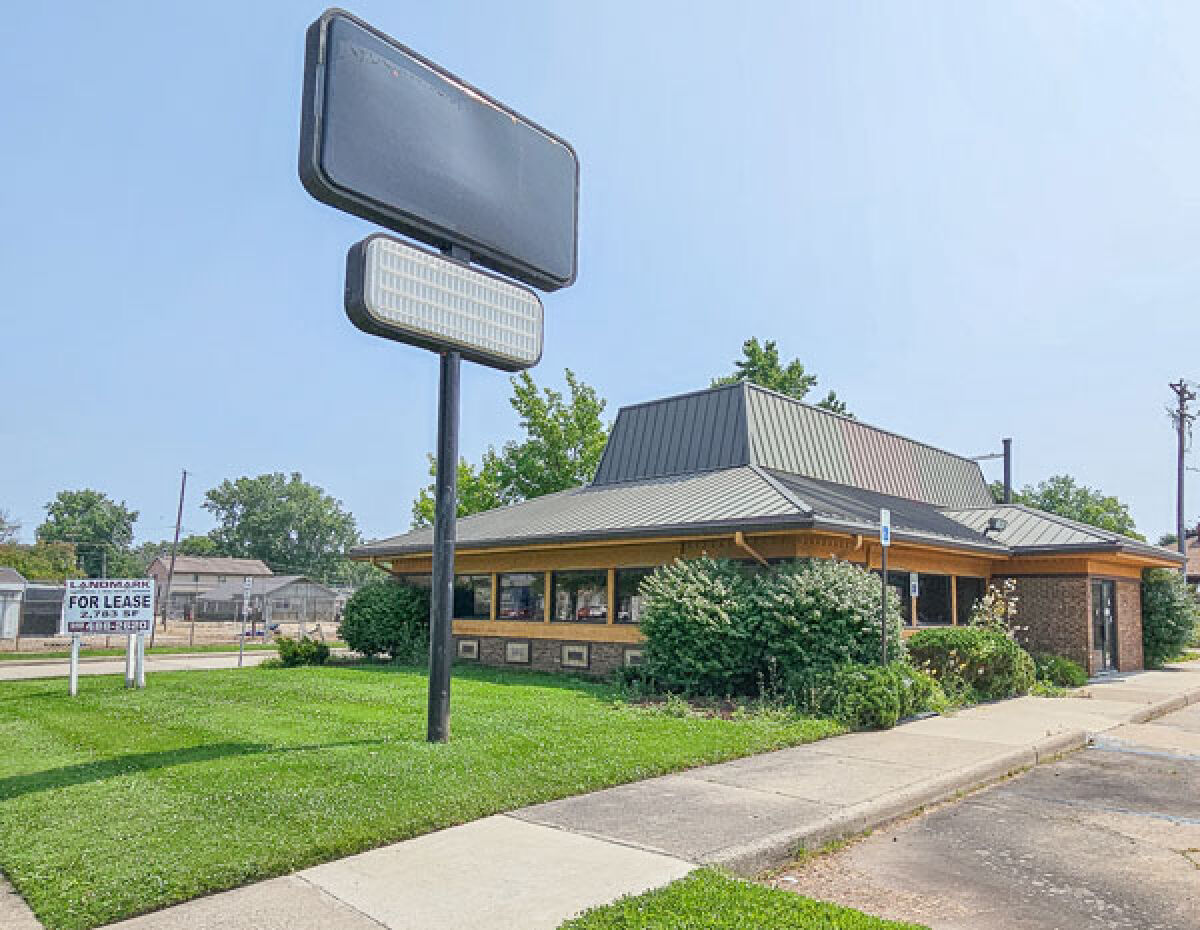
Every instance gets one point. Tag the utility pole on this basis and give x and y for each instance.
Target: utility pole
(171, 569)
(1183, 424)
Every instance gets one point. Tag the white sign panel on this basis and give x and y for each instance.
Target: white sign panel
(107, 605)
(914, 584)
(885, 527)
(400, 292)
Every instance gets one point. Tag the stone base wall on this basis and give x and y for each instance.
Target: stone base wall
(547, 655)
(1129, 626)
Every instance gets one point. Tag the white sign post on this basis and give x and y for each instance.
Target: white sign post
(885, 541)
(106, 605)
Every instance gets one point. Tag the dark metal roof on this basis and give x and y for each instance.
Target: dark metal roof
(744, 424)
(1029, 531)
(688, 434)
(841, 506)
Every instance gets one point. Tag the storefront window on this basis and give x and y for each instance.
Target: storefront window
(473, 597)
(580, 597)
(522, 596)
(898, 583)
(416, 581)
(933, 600)
(629, 601)
(968, 592)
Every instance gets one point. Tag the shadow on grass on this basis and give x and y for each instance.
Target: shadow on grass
(15, 786)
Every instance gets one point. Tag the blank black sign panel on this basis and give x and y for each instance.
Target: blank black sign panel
(389, 136)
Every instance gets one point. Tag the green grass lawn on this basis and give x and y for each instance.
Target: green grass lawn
(121, 801)
(707, 900)
(155, 651)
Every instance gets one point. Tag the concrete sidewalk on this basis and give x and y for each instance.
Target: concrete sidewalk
(535, 867)
(15, 670)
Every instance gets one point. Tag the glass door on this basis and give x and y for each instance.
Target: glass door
(1104, 626)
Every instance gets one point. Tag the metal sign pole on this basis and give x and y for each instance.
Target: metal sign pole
(73, 682)
(129, 652)
(242, 637)
(446, 512)
(885, 542)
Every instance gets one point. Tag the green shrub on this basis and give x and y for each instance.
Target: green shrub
(1169, 615)
(305, 651)
(875, 697)
(810, 616)
(1059, 671)
(694, 621)
(715, 627)
(973, 663)
(388, 618)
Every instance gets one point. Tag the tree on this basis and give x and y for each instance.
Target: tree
(478, 489)
(564, 440)
(100, 528)
(9, 528)
(760, 364)
(1061, 495)
(293, 526)
(43, 561)
(1168, 540)
(1169, 616)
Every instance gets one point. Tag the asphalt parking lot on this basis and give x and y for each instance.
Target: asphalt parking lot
(1108, 837)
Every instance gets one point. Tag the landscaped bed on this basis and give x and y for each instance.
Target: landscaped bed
(707, 900)
(118, 801)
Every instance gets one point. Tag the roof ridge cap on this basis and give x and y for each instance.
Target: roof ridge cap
(780, 489)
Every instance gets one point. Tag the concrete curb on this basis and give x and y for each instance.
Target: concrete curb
(780, 848)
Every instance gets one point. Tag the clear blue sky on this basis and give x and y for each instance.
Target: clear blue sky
(971, 220)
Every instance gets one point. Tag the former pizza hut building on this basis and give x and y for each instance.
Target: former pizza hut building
(742, 472)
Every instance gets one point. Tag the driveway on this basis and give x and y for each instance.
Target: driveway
(14, 670)
(1106, 838)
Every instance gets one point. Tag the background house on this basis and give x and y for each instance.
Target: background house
(276, 599)
(197, 575)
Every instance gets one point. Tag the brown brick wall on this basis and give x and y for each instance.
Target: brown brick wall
(1129, 626)
(1055, 611)
(545, 655)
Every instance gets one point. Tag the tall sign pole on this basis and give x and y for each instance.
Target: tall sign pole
(388, 135)
(441, 639)
(885, 542)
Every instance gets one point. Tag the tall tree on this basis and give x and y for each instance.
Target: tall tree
(563, 442)
(293, 526)
(760, 364)
(99, 527)
(479, 489)
(43, 561)
(1061, 494)
(147, 552)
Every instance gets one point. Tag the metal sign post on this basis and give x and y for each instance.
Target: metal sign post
(885, 541)
(387, 135)
(441, 614)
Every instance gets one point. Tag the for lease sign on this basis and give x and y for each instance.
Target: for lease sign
(107, 605)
